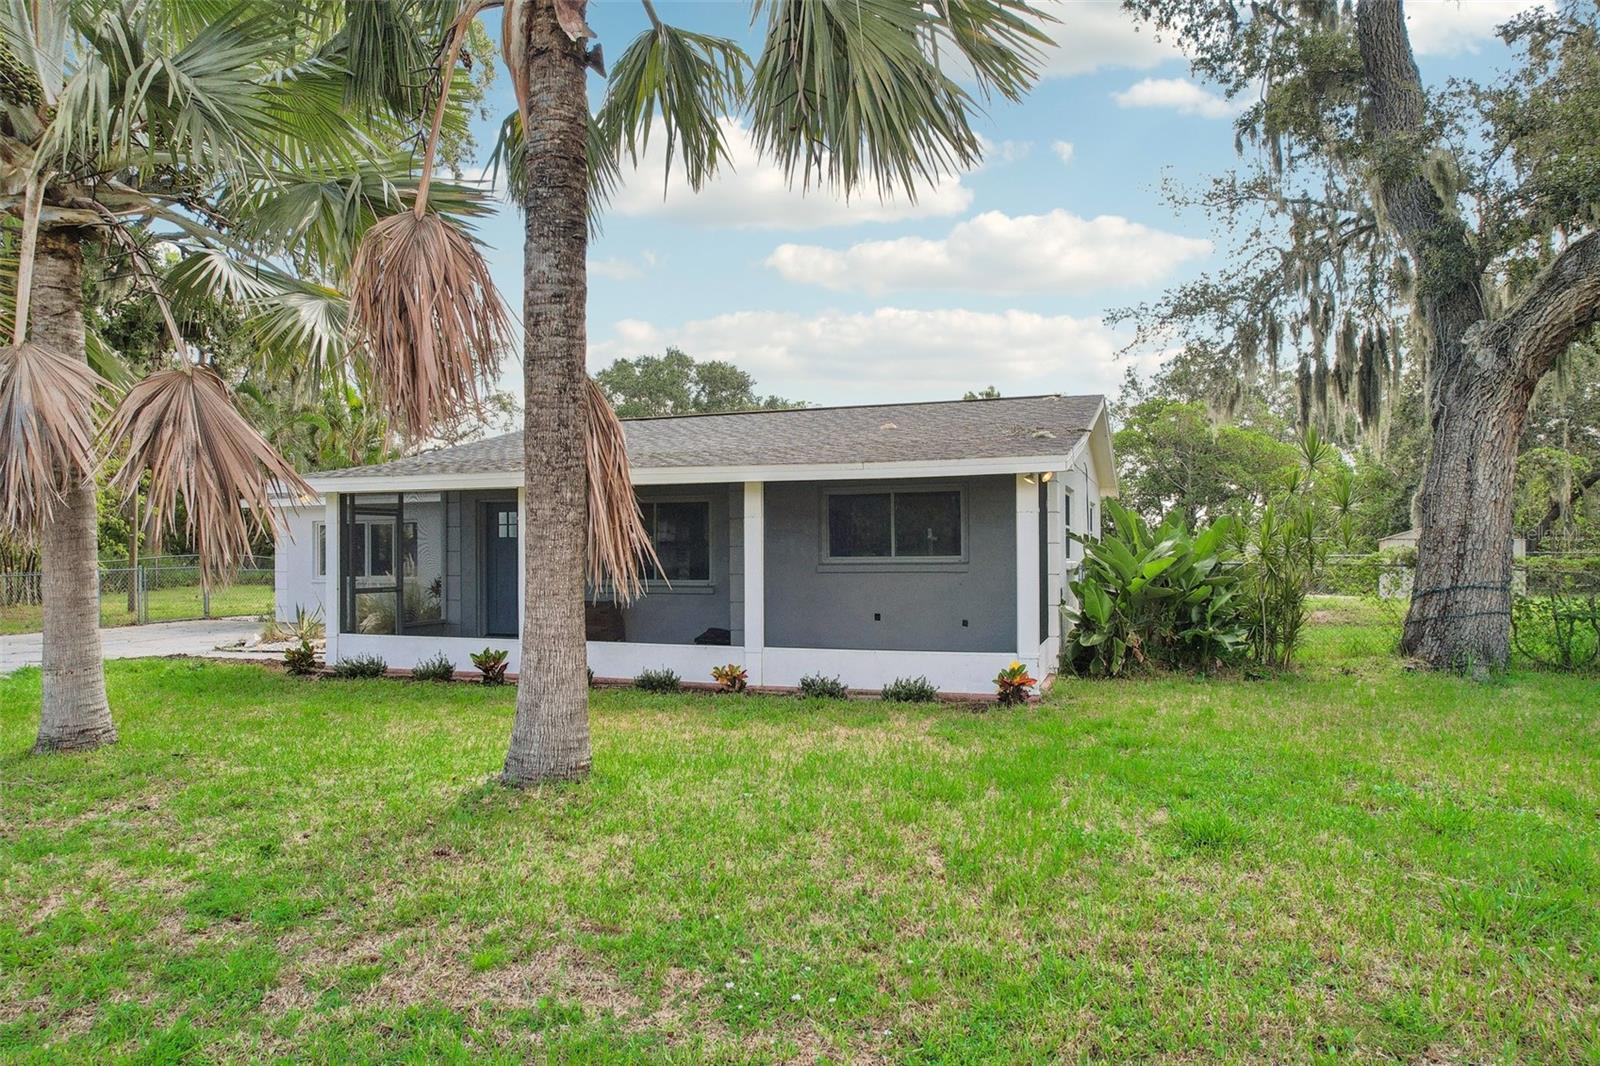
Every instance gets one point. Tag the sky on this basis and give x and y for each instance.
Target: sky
(998, 276)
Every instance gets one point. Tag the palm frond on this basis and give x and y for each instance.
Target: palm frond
(618, 545)
(692, 80)
(605, 170)
(48, 403)
(181, 426)
(850, 92)
(427, 319)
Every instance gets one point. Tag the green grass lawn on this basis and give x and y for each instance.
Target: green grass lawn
(164, 605)
(1357, 862)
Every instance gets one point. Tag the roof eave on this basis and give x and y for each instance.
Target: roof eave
(693, 475)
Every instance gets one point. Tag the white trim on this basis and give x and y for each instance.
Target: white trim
(966, 672)
(1027, 568)
(522, 557)
(331, 604)
(755, 581)
(689, 475)
(868, 669)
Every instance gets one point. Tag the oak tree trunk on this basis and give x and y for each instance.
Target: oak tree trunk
(1481, 368)
(550, 738)
(1460, 614)
(75, 714)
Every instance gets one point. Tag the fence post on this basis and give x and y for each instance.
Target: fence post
(205, 598)
(142, 586)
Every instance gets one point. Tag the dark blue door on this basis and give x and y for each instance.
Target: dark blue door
(500, 568)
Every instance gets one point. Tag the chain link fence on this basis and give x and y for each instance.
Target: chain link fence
(164, 588)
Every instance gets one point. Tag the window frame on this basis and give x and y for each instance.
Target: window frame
(319, 550)
(827, 560)
(688, 584)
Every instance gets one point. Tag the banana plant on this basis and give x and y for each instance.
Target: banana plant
(1154, 597)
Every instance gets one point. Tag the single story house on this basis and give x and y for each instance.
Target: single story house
(864, 543)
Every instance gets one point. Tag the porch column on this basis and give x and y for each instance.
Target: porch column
(755, 584)
(1028, 569)
(522, 556)
(333, 582)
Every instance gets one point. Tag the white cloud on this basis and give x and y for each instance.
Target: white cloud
(1064, 150)
(1005, 151)
(618, 268)
(1093, 35)
(893, 353)
(752, 193)
(998, 253)
(1451, 27)
(1175, 94)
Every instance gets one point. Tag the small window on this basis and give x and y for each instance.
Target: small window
(506, 525)
(680, 531)
(381, 554)
(1066, 519)
(894, 525)
(319, 547)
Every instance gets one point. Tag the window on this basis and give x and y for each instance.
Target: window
(922, 524)
(680, 530)
(319, 548)
(1066, 519)
(506, 525)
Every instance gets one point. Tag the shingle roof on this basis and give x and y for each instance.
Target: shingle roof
(1012, 427)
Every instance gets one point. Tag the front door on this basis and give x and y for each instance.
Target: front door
(500, 558)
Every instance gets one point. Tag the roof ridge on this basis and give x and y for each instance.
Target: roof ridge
(860, 406)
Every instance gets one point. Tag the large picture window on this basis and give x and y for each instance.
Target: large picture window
(894, 524)
(680, 530)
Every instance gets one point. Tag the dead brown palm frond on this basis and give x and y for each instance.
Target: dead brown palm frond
(48, 403)
(426, 317)
(423, 306)
(181, 425)
(619, 547)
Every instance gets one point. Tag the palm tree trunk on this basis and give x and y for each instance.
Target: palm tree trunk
(75, 714)
(550, 738)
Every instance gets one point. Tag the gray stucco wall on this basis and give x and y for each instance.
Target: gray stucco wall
(681, 613)
(897, 605)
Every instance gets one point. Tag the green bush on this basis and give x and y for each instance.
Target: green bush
(300, 659)
(1159, 597)
(817, 687)
(491, 663)
(910, 690)
(361, 666)
(438, 668)
(662, 680)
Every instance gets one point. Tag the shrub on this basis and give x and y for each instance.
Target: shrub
(1559, 627)
(300, 659)
(730, 678)
(491, 663)
(1012, 685)
(1163, 597)
(361, 666)
(910, 690)
(817, 687)
(662, 680)
(438, 668)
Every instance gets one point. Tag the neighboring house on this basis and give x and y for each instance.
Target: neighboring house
(866, 543)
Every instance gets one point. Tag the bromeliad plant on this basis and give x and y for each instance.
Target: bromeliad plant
(1160, 598)
(1013, 684)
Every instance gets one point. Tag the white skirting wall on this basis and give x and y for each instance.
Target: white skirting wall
(951, 672)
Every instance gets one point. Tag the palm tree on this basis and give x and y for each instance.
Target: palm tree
(845, 93)
(223, 130)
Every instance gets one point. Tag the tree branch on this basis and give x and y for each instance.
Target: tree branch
(1561, 304)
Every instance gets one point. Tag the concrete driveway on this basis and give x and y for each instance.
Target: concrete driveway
(139, 642)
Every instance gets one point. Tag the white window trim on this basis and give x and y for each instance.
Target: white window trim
(319, 551)
(827, 560)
